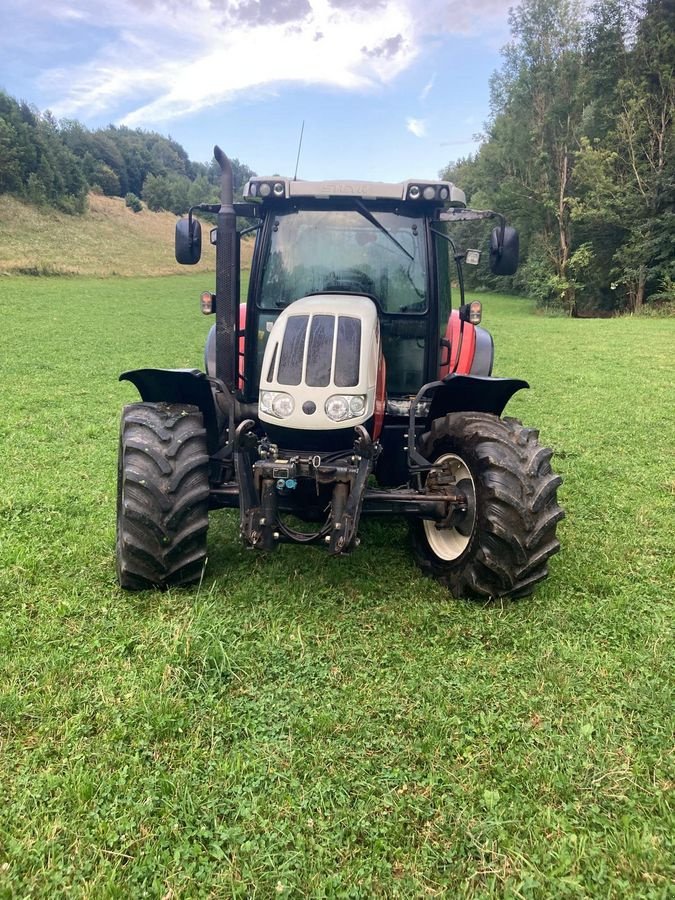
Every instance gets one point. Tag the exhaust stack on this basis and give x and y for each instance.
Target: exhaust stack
(227, 278)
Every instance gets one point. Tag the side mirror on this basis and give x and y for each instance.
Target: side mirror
(188, 241)
(504, 251)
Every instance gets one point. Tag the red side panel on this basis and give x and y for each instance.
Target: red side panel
(242, 344)
(380, 398)
(462, 339)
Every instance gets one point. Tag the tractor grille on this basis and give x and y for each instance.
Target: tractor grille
(320, 351)
(292, 350)
(348, 352)
(312, 340)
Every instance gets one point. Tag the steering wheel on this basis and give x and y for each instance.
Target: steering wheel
(351, 281)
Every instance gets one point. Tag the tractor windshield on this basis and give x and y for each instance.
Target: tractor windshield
(312, 251)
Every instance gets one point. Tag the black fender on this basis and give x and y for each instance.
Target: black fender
(484, 353)
(179, 386)
(210, 351)
(473, 393)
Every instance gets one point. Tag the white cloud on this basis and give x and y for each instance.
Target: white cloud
(166, 58)
(418, 127)
(426, 90)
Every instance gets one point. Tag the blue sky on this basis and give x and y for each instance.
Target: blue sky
(388, 89)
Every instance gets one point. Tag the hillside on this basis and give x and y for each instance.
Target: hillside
(108, 239)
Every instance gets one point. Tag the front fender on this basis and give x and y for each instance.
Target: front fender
(473, 393)
(179, 386)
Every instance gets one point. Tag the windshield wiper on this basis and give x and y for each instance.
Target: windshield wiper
(366, 213)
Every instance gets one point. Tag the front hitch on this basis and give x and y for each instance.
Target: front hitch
(264, 478)
(348, 503)
(257, 510)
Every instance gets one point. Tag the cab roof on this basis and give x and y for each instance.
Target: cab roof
(273, 187)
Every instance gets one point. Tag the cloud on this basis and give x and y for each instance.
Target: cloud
(418, 127)
(426, 90)
(163, 59)
(269, 12)
(386, 50)
(482, 17)
(357, 4)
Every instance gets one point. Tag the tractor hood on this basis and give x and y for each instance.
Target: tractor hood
(319, 370)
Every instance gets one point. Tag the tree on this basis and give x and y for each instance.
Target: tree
(50, 162)
(647, 145)
(579, 152)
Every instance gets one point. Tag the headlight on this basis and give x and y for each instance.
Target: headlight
(266, 398)
(337, 408)
(345, 406)
(276, 403)
(357, 405)
(282, 405)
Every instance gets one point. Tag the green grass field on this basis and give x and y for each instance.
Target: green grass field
(309, 727)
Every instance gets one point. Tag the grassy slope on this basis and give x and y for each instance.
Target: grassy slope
(304, 726)
(108, 239)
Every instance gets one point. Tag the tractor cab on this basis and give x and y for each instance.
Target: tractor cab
(343, 240)
(349, 296)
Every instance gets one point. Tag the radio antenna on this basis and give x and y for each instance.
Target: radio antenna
(297, 159)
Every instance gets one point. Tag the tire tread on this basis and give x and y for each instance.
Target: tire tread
(518, 511)
(163, 496)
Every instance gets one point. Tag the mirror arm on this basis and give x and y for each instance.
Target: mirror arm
(469, 215)
(458, 255)
(250, 229)
(202, 207)
(446, 237)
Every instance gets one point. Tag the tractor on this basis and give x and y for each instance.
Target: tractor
(345, 386)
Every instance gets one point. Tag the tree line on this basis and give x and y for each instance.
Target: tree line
(56, 163)
(579, 152)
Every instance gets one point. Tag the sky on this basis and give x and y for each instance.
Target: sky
(387, 89)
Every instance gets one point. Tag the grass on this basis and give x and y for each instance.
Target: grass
(108, 239)
(301, 726)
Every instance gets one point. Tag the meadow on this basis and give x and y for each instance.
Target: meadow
(310, 727)
(107, 239)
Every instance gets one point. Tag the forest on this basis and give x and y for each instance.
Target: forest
(56, 163)
(578, 152)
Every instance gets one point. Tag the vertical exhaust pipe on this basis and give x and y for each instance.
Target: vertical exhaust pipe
(227, 279)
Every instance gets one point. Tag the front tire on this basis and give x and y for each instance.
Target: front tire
(162, 496)
(501, 545)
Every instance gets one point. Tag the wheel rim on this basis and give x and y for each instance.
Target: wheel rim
(450, 543)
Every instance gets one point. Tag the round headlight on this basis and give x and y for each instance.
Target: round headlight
(414, 192)
(266, 401)
(429, 192)
(357, 405)
(337, 408)
(278, 189)
(265, 190)
(253, 190)
(283, 405)
(443, 193)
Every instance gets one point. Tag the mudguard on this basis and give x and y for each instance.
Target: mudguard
(470, 348)
(473, 393)
(484, 353)
(179, 386)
